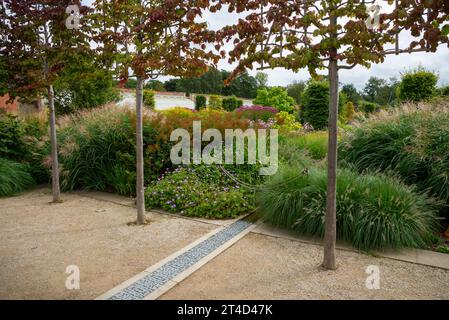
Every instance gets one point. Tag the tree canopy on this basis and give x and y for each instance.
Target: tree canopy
(36, 43)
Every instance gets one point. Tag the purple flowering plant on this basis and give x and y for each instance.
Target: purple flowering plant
(199, 191)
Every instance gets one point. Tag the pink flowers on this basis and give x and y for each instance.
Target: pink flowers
(257, 108)
(261, 124)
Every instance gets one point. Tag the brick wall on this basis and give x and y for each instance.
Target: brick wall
(14, 107)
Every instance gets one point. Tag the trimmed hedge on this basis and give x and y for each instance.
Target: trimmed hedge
(200, 102)
(148, 99)
(231, 103)
(369, 107)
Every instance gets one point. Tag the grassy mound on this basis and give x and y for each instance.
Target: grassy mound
(412, 142)
(314, 143)
(373, 211)
(14, 178)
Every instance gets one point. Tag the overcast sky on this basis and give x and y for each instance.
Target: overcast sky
(392, 67)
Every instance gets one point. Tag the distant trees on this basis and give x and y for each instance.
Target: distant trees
(296, 89)
(380, 91)
(243, 86)
(170, 85)
(155, 85)
(262, 79)
(83, 85)
(351, 92)
(212, 82)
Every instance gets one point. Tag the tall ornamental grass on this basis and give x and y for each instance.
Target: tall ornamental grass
(412, 142)
(14, 177)
(97, 147)
(314, 142)
(373, 211)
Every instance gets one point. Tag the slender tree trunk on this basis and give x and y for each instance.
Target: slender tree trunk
(54, 147)
(330, 236)
(139, 154)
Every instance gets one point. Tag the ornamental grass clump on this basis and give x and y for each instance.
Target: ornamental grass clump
(412, 142)
(97, 150)
(14, 177)
(373, 211)
(97, 147)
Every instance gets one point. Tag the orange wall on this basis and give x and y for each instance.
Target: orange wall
(14, 107)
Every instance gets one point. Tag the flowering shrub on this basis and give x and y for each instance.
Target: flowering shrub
(260, 124)
(199, 191)
(178, 112)
(256, 113)
(276, 97)
(287, 122)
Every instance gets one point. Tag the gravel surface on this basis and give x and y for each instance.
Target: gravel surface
(39, 240)
(264, 267)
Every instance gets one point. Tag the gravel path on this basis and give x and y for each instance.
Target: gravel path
(38, 241)
(263, 267)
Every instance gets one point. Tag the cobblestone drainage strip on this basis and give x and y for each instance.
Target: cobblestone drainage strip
(158, 279)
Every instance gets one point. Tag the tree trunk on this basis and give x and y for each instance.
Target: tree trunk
(330, 236)
(446, 233)
(54, 147)
(140, 200)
